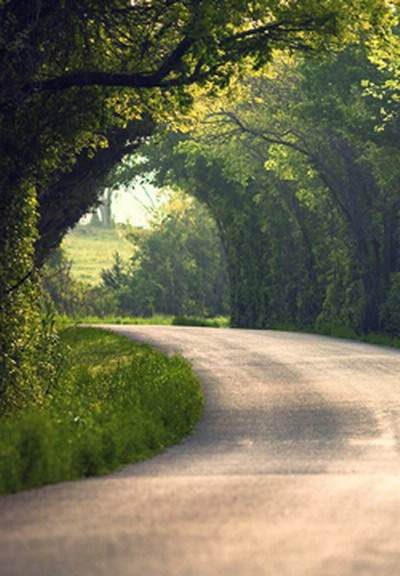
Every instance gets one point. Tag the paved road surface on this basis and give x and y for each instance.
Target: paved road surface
(294, 470)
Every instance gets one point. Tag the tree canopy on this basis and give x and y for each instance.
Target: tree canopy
(82, 83)
(301, 173)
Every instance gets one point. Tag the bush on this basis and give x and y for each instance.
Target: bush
(116, 402)
(391, 312)
(219, 321)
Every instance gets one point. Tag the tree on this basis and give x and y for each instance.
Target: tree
(177, 267)
(250, 219)
(65, 94)
(300, 154)
(317, 120)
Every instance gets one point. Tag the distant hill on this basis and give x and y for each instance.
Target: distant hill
(92, 249)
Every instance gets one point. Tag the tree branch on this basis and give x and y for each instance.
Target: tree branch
(278, 32)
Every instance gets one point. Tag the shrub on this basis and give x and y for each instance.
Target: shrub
(391, 312)
(199, 321)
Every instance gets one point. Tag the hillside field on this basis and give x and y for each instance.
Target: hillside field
(92, 250)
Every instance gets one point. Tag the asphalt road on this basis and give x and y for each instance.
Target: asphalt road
(294, 470)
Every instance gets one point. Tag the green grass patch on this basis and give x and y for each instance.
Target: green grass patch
(344, 333)
(159, 320)
(92, 250)
(116, 402)
(381, 340)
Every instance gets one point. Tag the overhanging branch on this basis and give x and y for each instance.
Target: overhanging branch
(228, 48)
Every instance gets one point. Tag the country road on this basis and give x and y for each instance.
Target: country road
(293, 471)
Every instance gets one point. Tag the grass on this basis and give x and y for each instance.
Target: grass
(116, 402)
(159, 319)
(92, 250)
(223, 322)
(381, 340)
(344, 333)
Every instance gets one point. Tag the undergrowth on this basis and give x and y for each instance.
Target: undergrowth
(344, 333)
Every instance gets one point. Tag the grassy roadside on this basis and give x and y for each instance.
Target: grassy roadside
(159, 320)
(223, 322)
(116, 402)
(344, 334)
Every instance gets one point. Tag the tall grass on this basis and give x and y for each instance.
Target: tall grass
(116, 402)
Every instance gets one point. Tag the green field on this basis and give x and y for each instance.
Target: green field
(92, 249)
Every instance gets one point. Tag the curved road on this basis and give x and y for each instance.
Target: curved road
(294, 470)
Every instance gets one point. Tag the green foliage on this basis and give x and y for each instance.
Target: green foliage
(156, 319)
(59, 288)
(177, 267)
(381, 340)
(116, 402)
(263, 249)
(219, 322)
(71, 297)
(391, 308)
(336, 331)
(309, 215)
(29, 364)
(18, 312)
